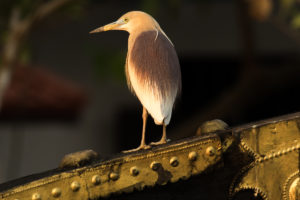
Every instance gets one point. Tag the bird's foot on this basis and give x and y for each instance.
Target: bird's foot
(162, 141)
(141, 147)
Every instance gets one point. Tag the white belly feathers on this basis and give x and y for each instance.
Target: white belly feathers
(157, 105)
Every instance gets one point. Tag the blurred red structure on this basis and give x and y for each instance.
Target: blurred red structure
(35, 93)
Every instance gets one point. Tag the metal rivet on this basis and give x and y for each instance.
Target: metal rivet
(134, 171)
(56, 192)
(284, 151)
(174, 161)
(96, 180)
(293, 148)
(36, 196)
(192, 156)
(114, 176)
(210, 151)
(75, 186)
(294, 189)
(154, 165)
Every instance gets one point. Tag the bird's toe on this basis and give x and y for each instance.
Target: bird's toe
(162, 141)
(141, 147)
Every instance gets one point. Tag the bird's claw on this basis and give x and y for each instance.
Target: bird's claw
(162, 141)
(141, 147)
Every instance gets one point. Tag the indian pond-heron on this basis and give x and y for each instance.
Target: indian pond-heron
(152, 68)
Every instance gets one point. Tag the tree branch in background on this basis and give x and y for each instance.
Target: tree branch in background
(18, 30)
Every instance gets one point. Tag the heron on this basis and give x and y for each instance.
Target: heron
(152, 69)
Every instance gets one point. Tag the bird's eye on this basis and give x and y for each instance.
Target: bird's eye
(126, 20)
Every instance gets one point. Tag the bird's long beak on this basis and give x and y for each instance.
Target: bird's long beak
(111, 26)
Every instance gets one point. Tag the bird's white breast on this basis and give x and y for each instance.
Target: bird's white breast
(157, 105)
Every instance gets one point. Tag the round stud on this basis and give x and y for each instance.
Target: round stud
(284, 151)
(174, 161)
(293, 148)
(36, 196)
(56, 192)
(192, 156)
(294, 190)
(96, 180)
(75, 186)
(114, 176)
(273, 155)
(154, 165)
(210, 151)
(134, 171)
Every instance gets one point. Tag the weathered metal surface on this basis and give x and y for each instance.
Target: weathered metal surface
(125, 173)
(274, 147)
(262, 157)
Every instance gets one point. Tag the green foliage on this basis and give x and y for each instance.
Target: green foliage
(109, 64)
(25, 54)
(155, 6)
(289, 13)
(150, 6)
(286, 5)
(26, 8)
(296, 21)
(76, 10)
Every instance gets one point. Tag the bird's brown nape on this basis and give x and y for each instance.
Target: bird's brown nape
(155, 62)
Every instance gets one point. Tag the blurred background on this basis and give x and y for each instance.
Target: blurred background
(63, 90)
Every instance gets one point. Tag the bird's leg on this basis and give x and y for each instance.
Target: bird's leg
(143, 143)
(163, 139)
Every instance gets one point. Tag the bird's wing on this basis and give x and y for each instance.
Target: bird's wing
(154, 72)
(155, 62)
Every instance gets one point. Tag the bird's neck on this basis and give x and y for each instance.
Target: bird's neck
(133, 35)
(139, 27)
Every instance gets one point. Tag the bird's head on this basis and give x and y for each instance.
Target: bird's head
(130, 22)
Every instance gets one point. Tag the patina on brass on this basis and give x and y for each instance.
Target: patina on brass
(270, 149)
(294, 191)
(78, 159)
(134, 171)
(56, 192)
(96, 180)
(210, 151)
(158, 166)
(114, 176)
(36, 196)
(174, 161)
(211, 126)
(75, 186)
(274, 147)
(154, 165)
(192, 156)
